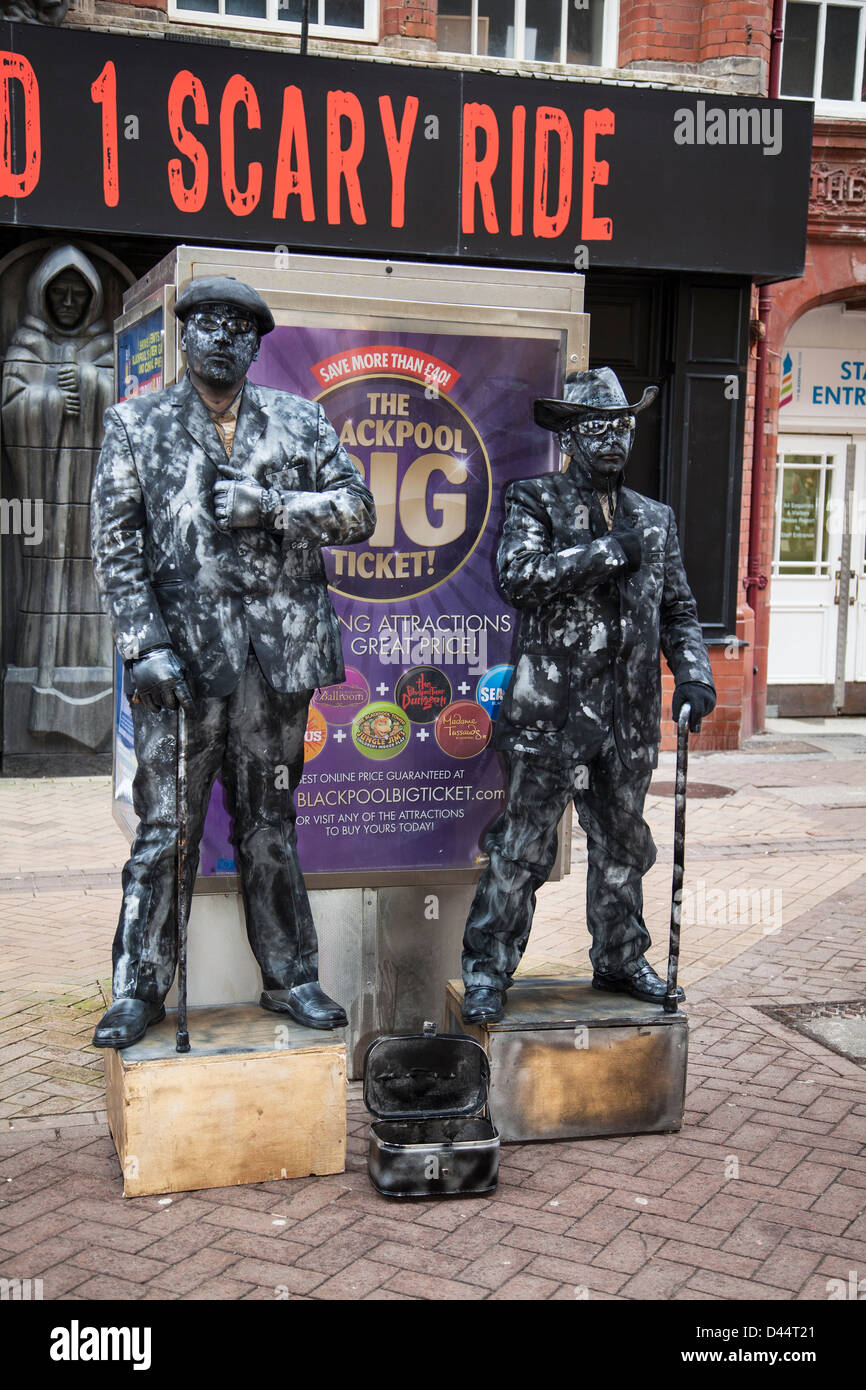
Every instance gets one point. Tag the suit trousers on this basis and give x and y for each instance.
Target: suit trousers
(254, 737)
(609, 801)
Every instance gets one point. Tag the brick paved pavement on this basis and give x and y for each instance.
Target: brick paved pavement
(760, 1196)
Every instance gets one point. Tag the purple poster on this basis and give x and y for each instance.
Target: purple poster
(399, 770)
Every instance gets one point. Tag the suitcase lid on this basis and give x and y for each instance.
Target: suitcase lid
(414, 1076)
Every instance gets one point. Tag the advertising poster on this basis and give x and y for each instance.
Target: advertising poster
(400, 773)
(140, 357)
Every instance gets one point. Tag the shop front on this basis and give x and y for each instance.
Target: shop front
(671, 204)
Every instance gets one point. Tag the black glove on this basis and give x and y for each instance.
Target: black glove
(702, 699)
(242, 502)
(159, 681)
(630, 542)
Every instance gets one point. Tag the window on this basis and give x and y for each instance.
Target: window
(822, 56)
(803, 508)
(541, 31)
(333, 19)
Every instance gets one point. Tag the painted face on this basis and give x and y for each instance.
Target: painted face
(221, 343)
(601, 443)
(68, 298)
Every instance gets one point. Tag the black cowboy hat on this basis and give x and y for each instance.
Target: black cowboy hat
(596, 392)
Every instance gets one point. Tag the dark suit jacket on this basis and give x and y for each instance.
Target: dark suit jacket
(169, 576)
(590, 635)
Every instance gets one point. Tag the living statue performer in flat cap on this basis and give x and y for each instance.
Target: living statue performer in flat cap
(211, 502)
(596, 570)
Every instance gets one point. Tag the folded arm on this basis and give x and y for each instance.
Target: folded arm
(531, 571)
(340, 511)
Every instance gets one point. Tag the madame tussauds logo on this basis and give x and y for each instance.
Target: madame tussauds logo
(428, 470)
(77, 1343)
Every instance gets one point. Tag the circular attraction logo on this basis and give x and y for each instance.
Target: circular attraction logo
(423, 693)
(427, 468)
(315, 734)
(340, 703)
(463, 729)
(490, 690)
(381, 730)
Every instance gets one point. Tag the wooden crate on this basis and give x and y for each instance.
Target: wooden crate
(257, 1098)
(571, 1062)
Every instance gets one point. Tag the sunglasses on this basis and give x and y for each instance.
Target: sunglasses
(594, 426)
(211, 323)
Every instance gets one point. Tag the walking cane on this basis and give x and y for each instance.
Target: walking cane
(670, 1000)
(181, 903)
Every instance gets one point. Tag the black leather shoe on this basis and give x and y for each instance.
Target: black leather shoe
(483, 1004)
(642, 983)
(306, 1004)
(126, 1022)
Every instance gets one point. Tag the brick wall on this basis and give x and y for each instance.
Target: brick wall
(722, 37)
(735, 28)
(409, 19)
(658, 32)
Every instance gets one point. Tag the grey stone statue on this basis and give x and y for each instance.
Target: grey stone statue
(34, 11)
(58, 378)
(211, 503)
(595, 569)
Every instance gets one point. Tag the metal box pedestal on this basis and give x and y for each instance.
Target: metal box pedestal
(257, 1098)
(571, 1062)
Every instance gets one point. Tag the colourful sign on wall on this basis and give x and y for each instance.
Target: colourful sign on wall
(823, 384)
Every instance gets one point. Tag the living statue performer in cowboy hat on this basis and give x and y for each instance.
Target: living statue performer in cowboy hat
(211, 503)
(596, 570)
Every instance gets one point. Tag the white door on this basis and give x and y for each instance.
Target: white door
(819, 519)
(856, 663)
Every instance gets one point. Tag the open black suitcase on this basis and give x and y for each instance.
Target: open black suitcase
(433, 1136)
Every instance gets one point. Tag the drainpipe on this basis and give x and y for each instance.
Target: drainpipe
(755, 580)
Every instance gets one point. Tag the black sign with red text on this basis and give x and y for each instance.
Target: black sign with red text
(205, 142)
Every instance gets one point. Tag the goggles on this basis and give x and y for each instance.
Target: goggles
(594, 426)
(209, 322)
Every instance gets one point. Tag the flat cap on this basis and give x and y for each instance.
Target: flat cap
(224, 289)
